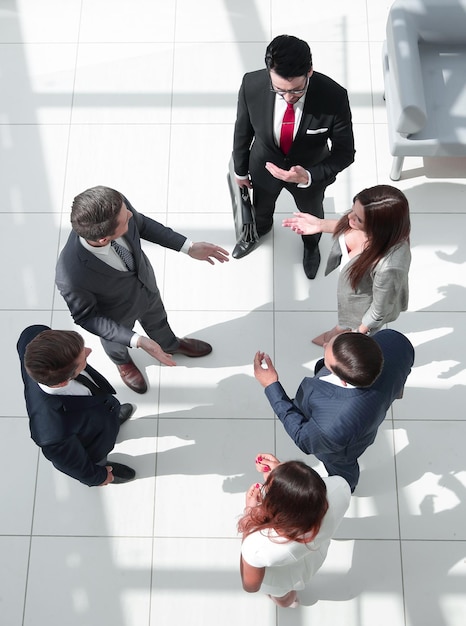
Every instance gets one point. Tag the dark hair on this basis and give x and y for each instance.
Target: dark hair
(386, 223)
(294, 503)
(288, 56)
(51, 357)
(359, 359)
(94, 213)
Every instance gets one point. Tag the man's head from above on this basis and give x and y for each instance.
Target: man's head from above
(355, 358)
(289, 62)
(54, 357)
(100, 215)
(288, 56)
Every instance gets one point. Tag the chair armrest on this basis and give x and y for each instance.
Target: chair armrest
(405, 67)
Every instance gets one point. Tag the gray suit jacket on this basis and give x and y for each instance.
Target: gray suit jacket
(380, 296)
(98, 296)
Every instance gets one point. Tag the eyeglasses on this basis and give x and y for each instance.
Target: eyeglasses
(291, 92)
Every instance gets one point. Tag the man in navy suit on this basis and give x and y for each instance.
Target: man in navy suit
(303, 162)
(73, 414)
(336, 414)
(108, 282)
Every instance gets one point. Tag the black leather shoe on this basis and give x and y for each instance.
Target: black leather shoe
(311, 262)
(243, 248)
(193, 347)
(126, 410)
(121, 473)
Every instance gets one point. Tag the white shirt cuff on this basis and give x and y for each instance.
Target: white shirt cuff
(309, 181)
(186, 246)
(134, 340)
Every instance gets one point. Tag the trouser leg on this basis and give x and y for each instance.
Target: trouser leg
(309, 200)
(264, 205)
(117, 352)
(155, 323)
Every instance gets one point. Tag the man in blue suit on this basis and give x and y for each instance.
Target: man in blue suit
(73, 414)
(336, 414)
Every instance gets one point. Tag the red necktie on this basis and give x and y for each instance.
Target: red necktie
(287, 131)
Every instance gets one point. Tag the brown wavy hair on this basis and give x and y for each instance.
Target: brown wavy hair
(294, 503)
(386, 224)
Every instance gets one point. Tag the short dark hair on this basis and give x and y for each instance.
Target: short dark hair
(94, 213)
(51, 357)
(288, 56)
(359, 359)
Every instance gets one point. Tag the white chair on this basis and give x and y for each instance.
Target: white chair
(424, 63)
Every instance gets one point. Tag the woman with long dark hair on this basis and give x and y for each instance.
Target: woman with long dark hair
(371, 245)
(287, 526)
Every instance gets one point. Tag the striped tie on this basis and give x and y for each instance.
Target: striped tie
(125, 255)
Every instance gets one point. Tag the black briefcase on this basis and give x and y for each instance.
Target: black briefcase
(243, 215)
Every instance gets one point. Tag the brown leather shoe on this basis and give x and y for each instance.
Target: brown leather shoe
(132, 377)
(193, 347)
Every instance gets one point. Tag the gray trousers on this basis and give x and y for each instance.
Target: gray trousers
(153, 319)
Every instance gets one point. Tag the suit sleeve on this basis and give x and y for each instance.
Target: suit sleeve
(385, 290)
(301, 428)
(155, 232)
(342, 144)
(70, 457)
(84, 309)
(389, 290)
(243, 135)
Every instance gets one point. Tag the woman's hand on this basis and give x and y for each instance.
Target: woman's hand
(303, 224)
(253, 496)
(266, 462)
(307, 224)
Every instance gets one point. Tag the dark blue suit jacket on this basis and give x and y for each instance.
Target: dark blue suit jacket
(99, 296)
(337, 424)
(74, 432)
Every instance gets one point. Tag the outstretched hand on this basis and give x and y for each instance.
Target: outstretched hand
(152, 347)
(295, 174)
(303, 224)
(266, 376)
(203, 251)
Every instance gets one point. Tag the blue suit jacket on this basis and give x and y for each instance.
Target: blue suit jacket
(74, 432)
(337, 424)
(99, 296)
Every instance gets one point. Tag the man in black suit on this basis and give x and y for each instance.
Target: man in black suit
(287, 115)
(108, 282)
(73, 414)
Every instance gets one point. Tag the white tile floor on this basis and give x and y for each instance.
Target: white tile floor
(140, 95)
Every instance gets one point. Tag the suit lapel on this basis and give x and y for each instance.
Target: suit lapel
(94, 263)
(99, 379)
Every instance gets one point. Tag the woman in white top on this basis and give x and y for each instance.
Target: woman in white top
(371, 245)
(287, 526)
